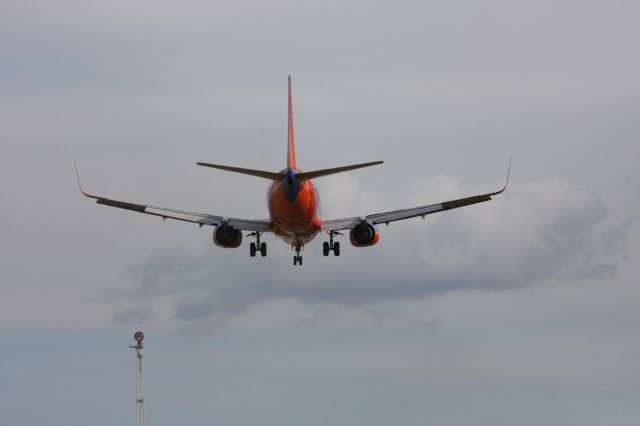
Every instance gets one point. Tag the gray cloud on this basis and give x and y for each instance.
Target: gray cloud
(133, 315)
(344, 322)
(538, 231)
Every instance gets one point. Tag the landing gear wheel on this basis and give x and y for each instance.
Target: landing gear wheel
(325, 248)
(257, 246)
(331, 246)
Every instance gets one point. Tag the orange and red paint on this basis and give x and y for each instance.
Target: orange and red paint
(293, 206)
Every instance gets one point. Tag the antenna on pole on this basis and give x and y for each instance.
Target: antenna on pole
(141, 420)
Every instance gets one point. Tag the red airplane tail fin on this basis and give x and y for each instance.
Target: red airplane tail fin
(291, 152)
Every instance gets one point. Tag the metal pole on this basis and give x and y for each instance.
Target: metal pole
(140, 414)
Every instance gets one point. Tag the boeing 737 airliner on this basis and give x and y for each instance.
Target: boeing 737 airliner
(293, 209)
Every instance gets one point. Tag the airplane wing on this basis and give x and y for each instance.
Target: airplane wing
(259, 225)
(392, 216)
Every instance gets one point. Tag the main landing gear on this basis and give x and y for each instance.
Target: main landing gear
(257, 246)
(297, 259)
(330, 245)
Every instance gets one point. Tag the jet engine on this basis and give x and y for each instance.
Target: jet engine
(364, 235)
(227, 236)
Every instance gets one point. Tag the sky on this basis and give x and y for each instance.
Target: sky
(521, 311)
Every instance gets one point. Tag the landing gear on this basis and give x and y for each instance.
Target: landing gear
(257, 246)
(297, 259)
(330, 245)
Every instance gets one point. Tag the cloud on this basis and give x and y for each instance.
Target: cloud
(344, 322)
(537, 232)
(133, 315)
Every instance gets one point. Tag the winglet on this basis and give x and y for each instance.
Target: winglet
(506, 182)
(80, 183)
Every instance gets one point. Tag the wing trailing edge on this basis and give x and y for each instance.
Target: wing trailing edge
(251, 225)
(420, 211)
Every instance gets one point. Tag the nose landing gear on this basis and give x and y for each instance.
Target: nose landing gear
(297, 259)
(330, 245)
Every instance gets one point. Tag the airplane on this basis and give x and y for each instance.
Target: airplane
(293, 204)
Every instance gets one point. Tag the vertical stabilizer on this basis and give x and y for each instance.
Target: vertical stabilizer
(291, 152)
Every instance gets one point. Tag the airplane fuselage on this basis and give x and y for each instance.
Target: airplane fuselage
(293, 208)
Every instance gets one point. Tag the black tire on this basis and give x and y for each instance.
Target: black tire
(300, 260)
(325, 248)
(295, 260)
(263, 249)
(252, 249)
(336, 248)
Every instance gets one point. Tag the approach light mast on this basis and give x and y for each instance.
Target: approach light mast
(140, 414)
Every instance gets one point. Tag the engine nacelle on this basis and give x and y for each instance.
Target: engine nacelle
(364, 235)
(227, 236)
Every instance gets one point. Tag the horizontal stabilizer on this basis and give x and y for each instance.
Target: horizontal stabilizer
(252, 172)
(325, 172)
